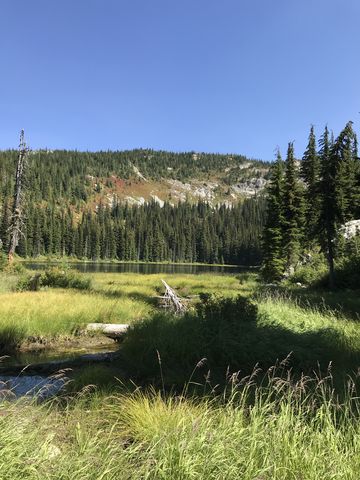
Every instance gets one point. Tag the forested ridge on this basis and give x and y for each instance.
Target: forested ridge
(62, 174)
(71, 208)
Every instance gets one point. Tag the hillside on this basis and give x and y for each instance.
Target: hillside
(136, 176)
(138, 205)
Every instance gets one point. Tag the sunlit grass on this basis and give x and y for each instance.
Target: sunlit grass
(62, 311)
(114, 298)
(288, 314)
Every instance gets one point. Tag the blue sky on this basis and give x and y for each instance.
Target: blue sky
(205, 75)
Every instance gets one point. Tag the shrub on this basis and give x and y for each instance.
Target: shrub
(64, 278)
(316, 275)
(231, 310)
(310, 273)
(217, 330)
(24, 283)
(3, 261)
(347, 273)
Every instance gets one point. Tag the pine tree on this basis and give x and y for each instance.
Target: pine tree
(344, 155)
(273, 239)
(328, 215)
(310, 172)
(293, 211)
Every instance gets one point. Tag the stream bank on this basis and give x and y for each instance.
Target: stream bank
(44, 373)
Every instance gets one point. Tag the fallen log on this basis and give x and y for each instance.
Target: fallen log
(171, 299)
(110, 330)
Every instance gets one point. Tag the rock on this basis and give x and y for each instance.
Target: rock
(350, 229)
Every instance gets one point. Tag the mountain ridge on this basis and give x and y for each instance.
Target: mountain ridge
(137, 176)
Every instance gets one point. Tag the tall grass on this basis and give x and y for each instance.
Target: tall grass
(281, 431)
(57, 312)
(225, 337)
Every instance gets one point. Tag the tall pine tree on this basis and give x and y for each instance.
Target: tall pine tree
(293, 211)
(273, 239)
(310, 172)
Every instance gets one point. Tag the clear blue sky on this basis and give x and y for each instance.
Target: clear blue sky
(204, 75)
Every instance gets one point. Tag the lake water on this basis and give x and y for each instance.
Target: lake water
(145, 268)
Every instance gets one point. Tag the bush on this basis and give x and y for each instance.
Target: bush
(216, 330)
(24, 283)
(309, 274)
(64, 278)
(3, 261)
(53, 277)
(347, 273)
(316, 275)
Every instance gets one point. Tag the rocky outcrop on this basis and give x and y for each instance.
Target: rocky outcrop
(350, 229)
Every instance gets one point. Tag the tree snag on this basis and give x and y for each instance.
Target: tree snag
(17, 218)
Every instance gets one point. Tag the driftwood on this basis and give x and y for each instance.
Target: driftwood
(171, 300)
(111, 330)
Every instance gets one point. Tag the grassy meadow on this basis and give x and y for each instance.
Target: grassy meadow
(54, 313)
(164, 412)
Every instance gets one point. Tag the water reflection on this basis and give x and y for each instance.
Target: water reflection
(144, 268)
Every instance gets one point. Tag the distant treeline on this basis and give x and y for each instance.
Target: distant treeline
(187, 233)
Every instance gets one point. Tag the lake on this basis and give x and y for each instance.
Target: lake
(144, 268)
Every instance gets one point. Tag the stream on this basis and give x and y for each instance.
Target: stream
(35, 374)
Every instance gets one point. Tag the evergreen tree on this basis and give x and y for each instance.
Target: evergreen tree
(293, 211)
(344, 155)
(273, 237)
(328, 214)
(310, 173)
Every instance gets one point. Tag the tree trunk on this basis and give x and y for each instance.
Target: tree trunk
(17, 215)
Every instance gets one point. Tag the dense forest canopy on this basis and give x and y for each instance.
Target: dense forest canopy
(69, 210)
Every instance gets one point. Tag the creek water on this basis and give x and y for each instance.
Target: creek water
(41, 386)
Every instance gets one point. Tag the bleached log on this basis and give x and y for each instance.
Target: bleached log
(172, 299)
(111, 330)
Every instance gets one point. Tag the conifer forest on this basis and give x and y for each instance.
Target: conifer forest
(67, 215)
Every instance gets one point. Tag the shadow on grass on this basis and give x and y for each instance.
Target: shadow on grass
(170, 347)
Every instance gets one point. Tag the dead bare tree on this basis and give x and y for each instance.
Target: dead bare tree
(171, 299)
(17, 216)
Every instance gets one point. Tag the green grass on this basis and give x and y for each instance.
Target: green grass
(7, 282)
(114, 298)
(280, 428)
(283, 431)
(314, 339)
